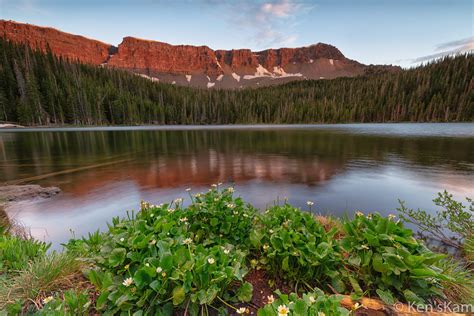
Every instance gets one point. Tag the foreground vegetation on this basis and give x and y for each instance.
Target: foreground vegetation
(40, 89)
(199, 259)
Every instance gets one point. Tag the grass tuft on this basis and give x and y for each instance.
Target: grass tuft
(44, 276)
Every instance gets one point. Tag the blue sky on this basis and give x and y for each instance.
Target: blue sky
(403, 32)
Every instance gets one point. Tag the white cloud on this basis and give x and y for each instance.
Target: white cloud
(280, 9)
(448, 48)
(268, 22)
(25, 6)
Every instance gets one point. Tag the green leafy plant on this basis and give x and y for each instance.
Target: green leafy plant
(71, 302)
(309, 304)
(295, 246)
(188, 258)
(384, 259)
(17, 252)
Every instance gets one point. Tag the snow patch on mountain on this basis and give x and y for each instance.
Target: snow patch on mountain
(260, 71)
(236, 76)
(149, 78)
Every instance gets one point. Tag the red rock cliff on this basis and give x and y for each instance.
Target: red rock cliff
(158, 57)
(197, 66)
(141, 54)
(73, 47)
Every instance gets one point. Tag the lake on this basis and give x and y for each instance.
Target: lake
(103, 172)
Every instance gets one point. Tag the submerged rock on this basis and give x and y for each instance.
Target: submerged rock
(15, 193)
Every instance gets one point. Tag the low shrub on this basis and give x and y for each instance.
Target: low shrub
(452, 225)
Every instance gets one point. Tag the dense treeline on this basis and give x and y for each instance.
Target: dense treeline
(40, 89)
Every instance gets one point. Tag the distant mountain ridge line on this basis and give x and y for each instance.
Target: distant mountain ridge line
(197, 66)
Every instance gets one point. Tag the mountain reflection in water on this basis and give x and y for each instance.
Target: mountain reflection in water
(340, 168)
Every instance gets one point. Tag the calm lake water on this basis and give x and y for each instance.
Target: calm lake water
(342, 168)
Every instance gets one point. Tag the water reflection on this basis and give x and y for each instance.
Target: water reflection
(341, 169)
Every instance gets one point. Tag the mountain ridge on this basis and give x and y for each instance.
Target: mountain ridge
(196, 66)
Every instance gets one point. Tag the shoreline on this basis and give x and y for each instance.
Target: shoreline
(12, 194)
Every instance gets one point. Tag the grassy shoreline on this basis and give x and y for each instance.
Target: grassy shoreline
(220, 256)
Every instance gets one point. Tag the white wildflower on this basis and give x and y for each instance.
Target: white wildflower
(159, 270)
(187, 241)
(270, 299)
(127, 282)
(241, 310)
(283, 310)
(48, 299)
(211, 260)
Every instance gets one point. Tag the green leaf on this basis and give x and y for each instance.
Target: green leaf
(300, 308)
(426, 272)
(411, 297)
(386, 296)
(178, 295)
(284, 264)
(141, 278)
(255, 238)
(355, 260)
(102, 300)
(117, 256)
(245, 292)
(378, 265)
(355, 286)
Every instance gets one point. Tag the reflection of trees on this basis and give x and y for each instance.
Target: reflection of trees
(173, 157)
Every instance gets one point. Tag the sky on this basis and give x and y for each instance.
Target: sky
(400, 32)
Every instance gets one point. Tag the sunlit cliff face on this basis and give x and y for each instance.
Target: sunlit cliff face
(197, 66)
